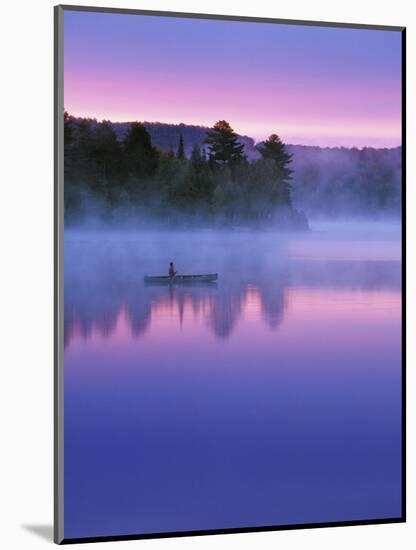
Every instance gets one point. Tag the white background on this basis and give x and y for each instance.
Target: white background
(26, 271)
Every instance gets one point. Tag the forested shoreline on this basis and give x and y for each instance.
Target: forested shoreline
(192, 175)
(215, 184)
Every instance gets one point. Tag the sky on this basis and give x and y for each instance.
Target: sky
(310, 85)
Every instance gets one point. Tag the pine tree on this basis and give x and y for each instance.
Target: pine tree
(107, 157)
(274, 150)
(180, 154)
(140, 154)
(223, 144)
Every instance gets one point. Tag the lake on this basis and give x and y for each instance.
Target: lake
(272, 397)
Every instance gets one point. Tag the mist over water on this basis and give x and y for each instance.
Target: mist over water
(269, 397)
(105, 268)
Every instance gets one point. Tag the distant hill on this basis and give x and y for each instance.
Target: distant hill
(166, 136)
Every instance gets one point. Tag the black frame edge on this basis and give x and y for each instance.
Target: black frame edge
(242, 530)
(404, 278)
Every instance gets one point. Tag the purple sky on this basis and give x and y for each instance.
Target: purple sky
(311, 85)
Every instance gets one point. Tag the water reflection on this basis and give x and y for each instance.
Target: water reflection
(220, 307)
(275, 392)
(95, 306)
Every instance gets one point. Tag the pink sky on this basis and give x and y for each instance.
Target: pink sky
(310, 85)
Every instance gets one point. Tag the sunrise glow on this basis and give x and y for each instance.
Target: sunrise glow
(312, 85)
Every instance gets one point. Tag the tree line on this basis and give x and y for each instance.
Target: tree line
(215, 183)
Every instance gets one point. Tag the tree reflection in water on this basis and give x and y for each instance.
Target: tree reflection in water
(95, 304)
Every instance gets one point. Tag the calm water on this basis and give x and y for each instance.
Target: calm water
(272, 397)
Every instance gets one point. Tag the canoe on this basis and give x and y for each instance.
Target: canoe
(210, 278)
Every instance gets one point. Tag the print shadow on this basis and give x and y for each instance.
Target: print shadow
(42, 531)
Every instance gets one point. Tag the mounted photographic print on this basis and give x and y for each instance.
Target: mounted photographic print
(229, 237)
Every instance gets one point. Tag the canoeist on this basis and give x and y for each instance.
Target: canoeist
(172, 271)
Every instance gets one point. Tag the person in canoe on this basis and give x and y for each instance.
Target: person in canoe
(172, 271)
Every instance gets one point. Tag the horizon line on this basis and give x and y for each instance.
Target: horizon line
(244, 135)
